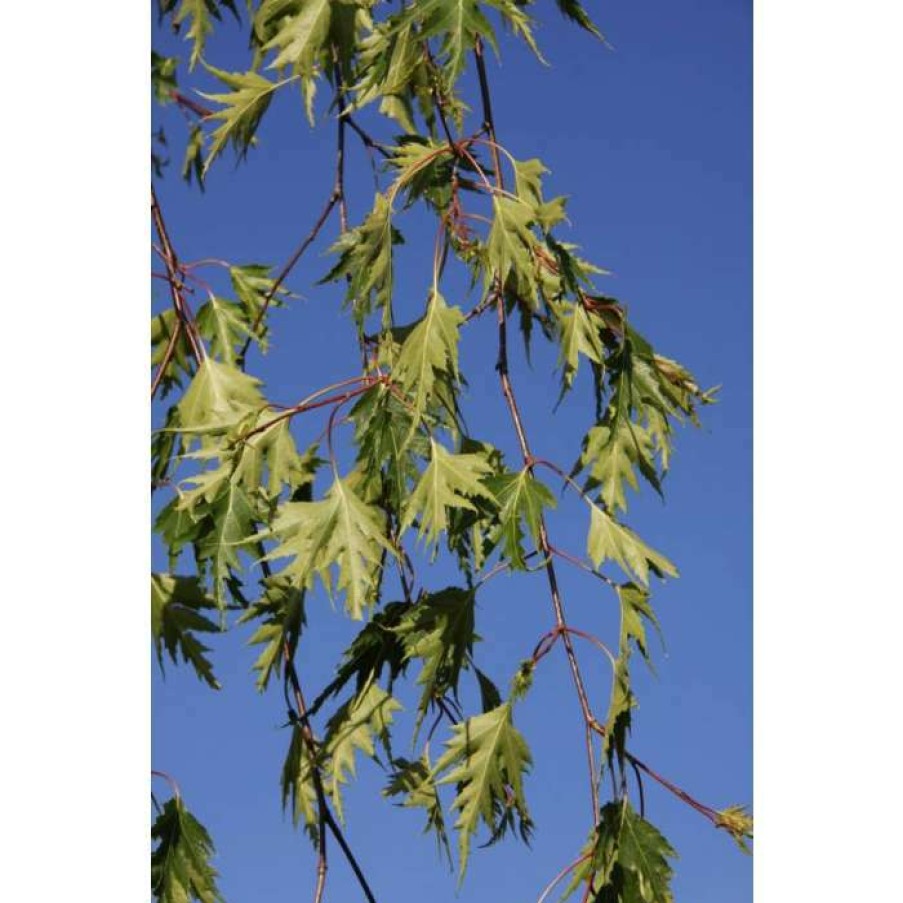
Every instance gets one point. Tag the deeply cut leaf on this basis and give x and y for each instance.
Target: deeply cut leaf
(487, 758)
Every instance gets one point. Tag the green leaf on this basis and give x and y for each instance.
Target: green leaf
(457, 22)
(224, 325)
(572, 10)
(365, 260)
(218, 398)
(635, 612)
(180, 862)
(177, 528)
(429, 354)
(488, 758)
(228, 528)
(301, 35)
(416, 783)
(386, 460)
(253, 284)
(611, 451)
(298, 784)
(341, 531)
(243, 107)
(509, 248)
(518, 20)
(163, 76)
(521, 498)
(738, 823)
(281, 611)
(627, 859)
(609, 540)
(176, 605)
(450, 481)
(272, 452)
(356, 726)
(579, 335)
(200, 14)
(193, 161)
(439, 630)
(377, 646)
(392, 66)
(490, 698)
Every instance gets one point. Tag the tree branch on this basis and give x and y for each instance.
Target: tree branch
(183, 311)
(508, 392)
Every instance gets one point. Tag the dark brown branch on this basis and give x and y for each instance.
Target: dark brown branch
(508, 392)
(369, 142)
(173, 270)
(167, 356)
(327, 819)
(488, 120)
(339, 186)
(289, 266)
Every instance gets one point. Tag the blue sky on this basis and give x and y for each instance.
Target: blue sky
(652, 142)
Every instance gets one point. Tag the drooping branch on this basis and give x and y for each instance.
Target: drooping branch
(517, 421)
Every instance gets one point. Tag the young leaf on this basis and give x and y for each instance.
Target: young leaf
(163, 76)
(609, 540)
(176, 605)
(457, 22)
(228, 526)
(224, 325)
(301, 35)
(365, 259)
(611, 451)
(509, 248)
(488, 758)
(180, 862)
(281, 611)
(242, 109)
(579, 335)
(200, 14)
(392, 66)
(298, 784)
(218, 398)
(341, 531)
(738, 823)
(355, 726)
(450, 481)
(521, 497)
(429, 353)
(386, 460)
(253, 284)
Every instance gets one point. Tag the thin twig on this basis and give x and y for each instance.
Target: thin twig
(308, 404)
(289, 266)
(189, 104)
(167, 252)
(367, 140)
(327, 819)
(508, 392)
(560, 876)
(173, 785)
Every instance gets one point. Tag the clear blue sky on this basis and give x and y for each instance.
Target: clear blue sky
(652, 141)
